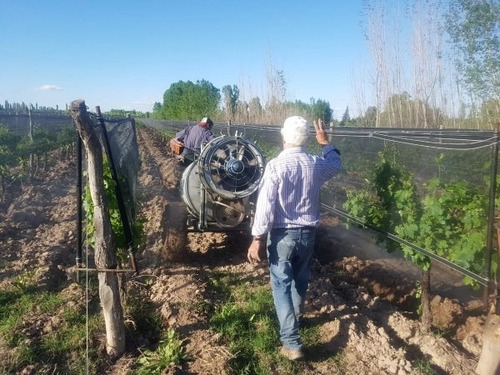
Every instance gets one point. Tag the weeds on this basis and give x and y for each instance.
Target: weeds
(170, 351)
(25, 281)
(247, 321)
(424, 367)
(40, 330)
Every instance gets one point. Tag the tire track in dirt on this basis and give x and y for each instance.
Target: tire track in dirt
(179, 282)
(163, 210)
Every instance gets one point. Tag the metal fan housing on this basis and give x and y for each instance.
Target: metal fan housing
(231, 167)
(219, 188)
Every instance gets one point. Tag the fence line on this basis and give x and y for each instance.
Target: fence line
(470, 147)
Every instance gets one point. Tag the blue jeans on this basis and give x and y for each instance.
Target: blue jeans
(290, 254)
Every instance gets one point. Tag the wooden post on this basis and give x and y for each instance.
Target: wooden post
(31, 131)
(491, 216)
(489, 361)
(104, 241)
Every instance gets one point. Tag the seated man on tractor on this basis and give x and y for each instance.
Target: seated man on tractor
(193, 137)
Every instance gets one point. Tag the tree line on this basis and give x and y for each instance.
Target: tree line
(17, 108)
(187, 100)
(435, 64)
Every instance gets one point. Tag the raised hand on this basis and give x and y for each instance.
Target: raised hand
(321, 135)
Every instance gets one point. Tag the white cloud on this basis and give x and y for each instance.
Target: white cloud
(48, 88)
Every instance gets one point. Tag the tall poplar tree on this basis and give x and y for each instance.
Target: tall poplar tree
(474, 28)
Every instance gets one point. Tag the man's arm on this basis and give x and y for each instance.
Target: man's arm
(264, 216)
(180, 135)
(330, 153)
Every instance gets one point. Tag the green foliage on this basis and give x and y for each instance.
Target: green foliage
(43, 142)
(15, 151)
(316, 109)
(157, 108)
(185, 100)
(190, 101)
(424, 367)
(141, 316)
(66, 136)
(8, 156)
(255, 109)
(247, 322)
(8, 146)
(170, 351)
(25, 281)
(16, 305)
(63, 346)
(231, 96)
(320, 109)
(346, 118)
(370, 117)
(418, 296)
(388, 199)
(474, 28)
(450, 220)
(365, 206)
(114, 215)
(453, 224)
(123, 113)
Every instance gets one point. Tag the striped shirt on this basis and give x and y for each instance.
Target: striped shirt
(290, 187)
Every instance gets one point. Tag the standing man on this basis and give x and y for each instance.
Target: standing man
(286, 217)
(193, 137)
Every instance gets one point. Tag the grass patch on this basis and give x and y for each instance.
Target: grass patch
(41, 330)
(424, 367)
(15, 306)
(247, 321)
(170, 351)
(141, 318)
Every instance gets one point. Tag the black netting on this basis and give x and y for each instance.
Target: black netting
(426, 192)
(433, 188)
(122, 140)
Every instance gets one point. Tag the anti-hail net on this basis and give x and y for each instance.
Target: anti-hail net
(421, 190)
(122, 140)
(428, 190)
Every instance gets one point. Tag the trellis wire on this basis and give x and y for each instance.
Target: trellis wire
(435, 139)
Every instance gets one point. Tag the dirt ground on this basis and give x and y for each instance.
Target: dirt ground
(361, 298)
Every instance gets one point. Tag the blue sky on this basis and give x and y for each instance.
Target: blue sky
(125, 54)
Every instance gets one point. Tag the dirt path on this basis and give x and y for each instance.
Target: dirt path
(38, 226)
(373, 336)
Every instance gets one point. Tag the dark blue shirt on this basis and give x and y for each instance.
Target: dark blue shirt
(193, 137)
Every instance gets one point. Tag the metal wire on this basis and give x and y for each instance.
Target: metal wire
(87, 299)
(445, 139)
(435, 139)
(480, 279)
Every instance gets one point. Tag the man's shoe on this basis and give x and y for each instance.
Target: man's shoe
(292, 354)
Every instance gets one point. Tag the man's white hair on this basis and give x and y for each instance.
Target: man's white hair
(295, 131)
